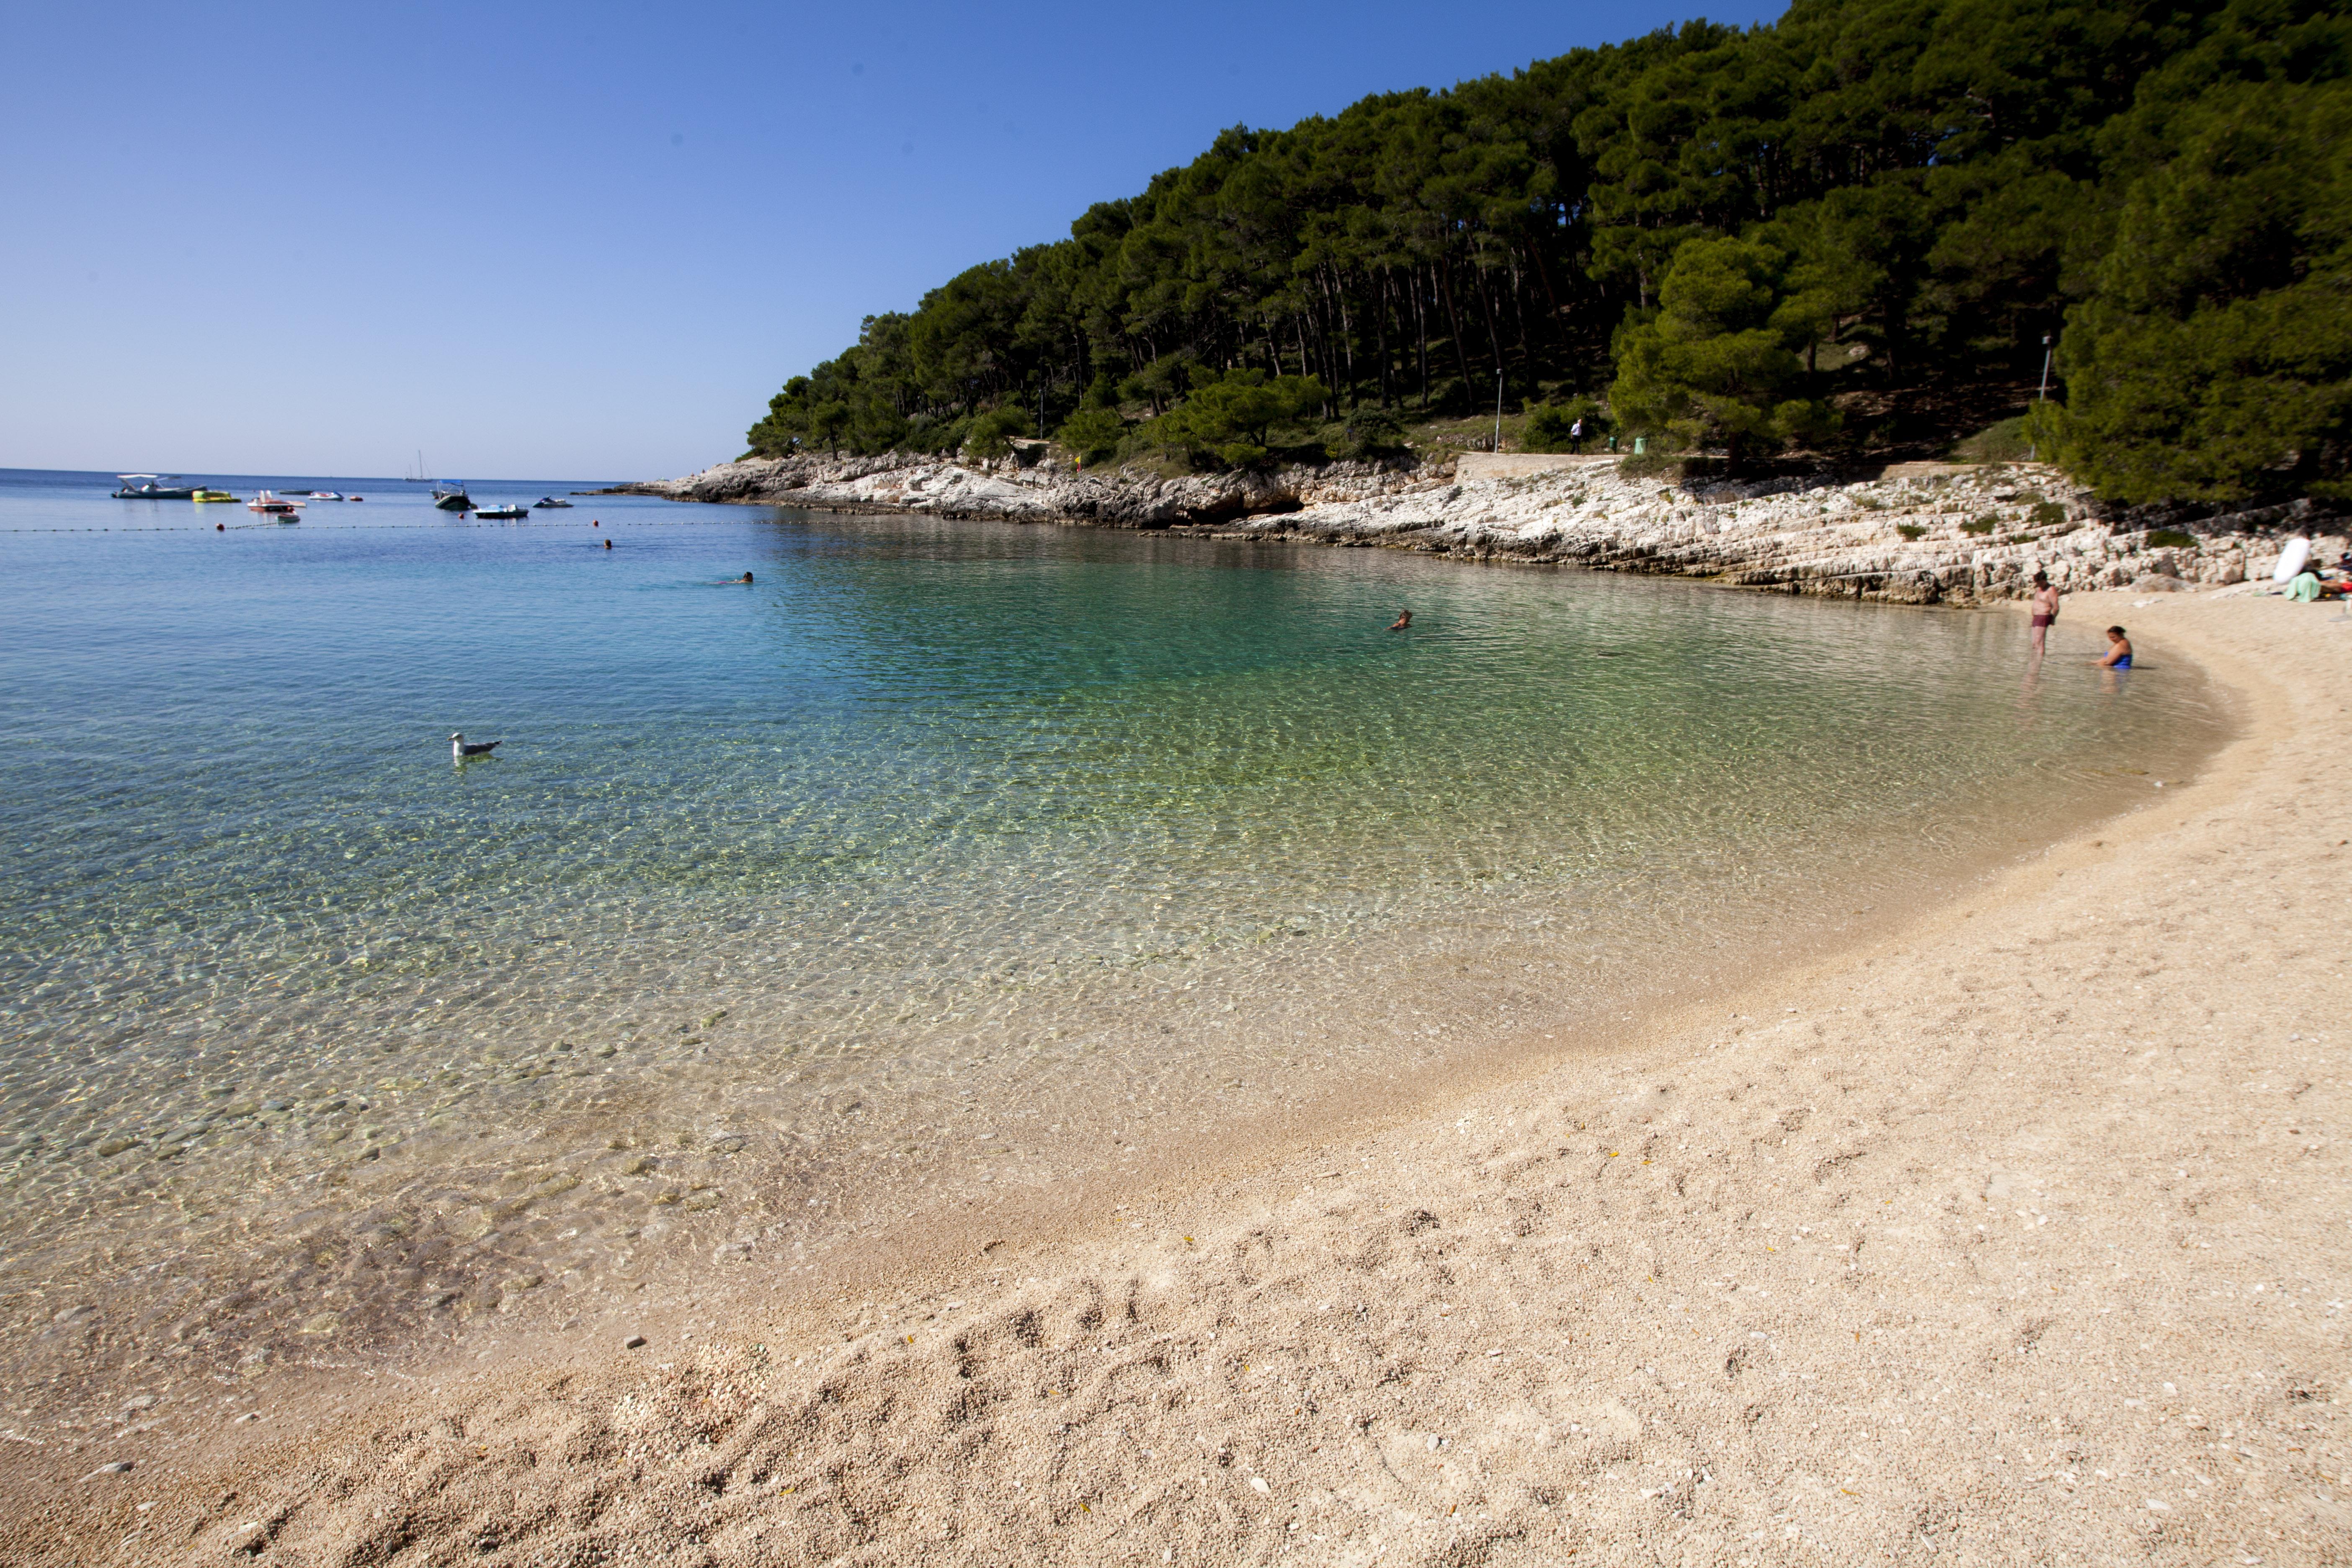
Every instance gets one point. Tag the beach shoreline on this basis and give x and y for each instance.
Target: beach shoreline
(2016, 1232)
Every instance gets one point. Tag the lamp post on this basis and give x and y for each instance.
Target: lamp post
(1498, 409)
(2033, 448)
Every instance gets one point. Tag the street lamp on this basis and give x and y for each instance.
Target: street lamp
(2033, 448)
(1498, 409)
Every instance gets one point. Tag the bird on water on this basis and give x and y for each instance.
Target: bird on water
(460, 747)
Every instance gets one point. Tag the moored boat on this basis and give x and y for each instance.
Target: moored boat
(544, 502)
(154, 486)
(502, 513)
(203, 495)
(452, 496)
(270, 503)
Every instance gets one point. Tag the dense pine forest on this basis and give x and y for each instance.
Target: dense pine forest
(1849, 233)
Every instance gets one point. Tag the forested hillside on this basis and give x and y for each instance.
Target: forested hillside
(1849, 231)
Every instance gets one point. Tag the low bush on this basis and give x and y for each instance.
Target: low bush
(2006, 442)
(2171, 539)
(1094, 434)
(992, 433)
(1911, 530)
(1368, 435)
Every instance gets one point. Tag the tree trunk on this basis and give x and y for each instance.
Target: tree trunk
(1421, 329)
(1454, 320)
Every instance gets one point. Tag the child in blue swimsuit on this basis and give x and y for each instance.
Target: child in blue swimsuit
(2118, 650)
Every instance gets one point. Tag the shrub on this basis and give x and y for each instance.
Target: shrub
(2047, 514)
(1229, 418)
(2171, 539)
(1094, 434)
(992, 433)
(1981, 525)
(1547, 427)
(2006, 442)
(1371, 433)
(1911, 530)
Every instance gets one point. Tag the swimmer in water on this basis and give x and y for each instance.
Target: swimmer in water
(732, 581)
(2119, 652)
(608, 544)
(1404, 619)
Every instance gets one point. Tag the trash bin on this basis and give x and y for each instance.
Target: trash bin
(1641, 445)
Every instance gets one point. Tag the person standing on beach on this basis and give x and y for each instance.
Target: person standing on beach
(2045, 610)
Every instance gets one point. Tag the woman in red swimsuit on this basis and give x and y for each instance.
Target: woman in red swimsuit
(2045, 610)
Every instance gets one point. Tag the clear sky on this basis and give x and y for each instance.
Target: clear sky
(586, 240)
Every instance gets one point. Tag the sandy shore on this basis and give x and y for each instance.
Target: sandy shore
(2019, 1237)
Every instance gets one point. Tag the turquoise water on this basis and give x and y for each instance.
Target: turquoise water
(944, 854)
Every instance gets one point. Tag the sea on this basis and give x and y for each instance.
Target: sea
(944, 873)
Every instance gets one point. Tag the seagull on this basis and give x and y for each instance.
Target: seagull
(460, 747)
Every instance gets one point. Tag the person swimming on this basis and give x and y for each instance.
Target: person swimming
(732, 580)
(1404, 619)
(2119, 650)
(608, 544)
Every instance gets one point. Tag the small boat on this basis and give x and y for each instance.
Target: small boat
(355, 498)
(326, 495)
(502, 513)
(452, 497)
(270, 503)
(202, 495)
(544, 502)
(154, 486)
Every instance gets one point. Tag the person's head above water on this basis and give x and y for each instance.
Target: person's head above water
(745, 578)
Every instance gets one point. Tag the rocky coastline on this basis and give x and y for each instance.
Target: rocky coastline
(1912, 533)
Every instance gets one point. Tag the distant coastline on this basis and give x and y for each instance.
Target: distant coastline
(1913, 533)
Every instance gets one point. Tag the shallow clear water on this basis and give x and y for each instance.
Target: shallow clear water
(944, 854)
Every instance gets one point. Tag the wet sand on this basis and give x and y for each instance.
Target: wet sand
(2015, 1235)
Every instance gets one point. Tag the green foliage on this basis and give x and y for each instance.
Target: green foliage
(1548, 429)
(2171, 539)
(1231, 418)
(991, 435)
(2213, 359)
(2005, 441)
(1370, 434)
(1911, 530)
(1981, 526)
(1731, 228)
(2046, 514)
(1093, 433)
(1715, 364)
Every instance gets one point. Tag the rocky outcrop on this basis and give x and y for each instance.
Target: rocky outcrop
(1917, 533)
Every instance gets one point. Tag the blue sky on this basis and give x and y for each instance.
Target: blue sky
(586, 240)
